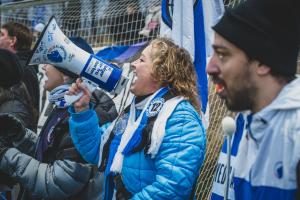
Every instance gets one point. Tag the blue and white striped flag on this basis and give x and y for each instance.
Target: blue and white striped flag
(188, 23)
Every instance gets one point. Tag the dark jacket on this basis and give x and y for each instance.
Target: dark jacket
(30, 77)
(14, 101)
(61, 173)
(17, 102)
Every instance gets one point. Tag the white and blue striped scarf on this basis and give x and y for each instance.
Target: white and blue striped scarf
(56, 96)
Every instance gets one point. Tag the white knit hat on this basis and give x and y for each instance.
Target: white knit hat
(39, 27)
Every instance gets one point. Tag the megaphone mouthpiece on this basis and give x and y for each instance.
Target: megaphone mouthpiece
(228, 125)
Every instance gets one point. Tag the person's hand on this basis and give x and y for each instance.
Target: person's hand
(11, 128)
(82, 103)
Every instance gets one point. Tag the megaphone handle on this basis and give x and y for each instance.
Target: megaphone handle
(72, 98)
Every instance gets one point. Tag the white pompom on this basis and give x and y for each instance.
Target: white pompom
(228, 125)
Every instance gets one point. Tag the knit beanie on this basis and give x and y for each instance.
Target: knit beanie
(266, 30)
(11, 72)
(81, 43)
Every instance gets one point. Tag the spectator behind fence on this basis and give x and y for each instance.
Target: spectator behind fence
(126, 25)
(37, 30)
(17, 38)
(253, 66)
(155, 148)
(49, 167)
(152, 22)
(14, 99)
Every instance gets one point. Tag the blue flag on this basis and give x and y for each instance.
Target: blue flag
(183, 21)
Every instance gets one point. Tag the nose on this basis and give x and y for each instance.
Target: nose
(212, 67)
(133, 64)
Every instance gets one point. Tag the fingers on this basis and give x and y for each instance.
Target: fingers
(83, 102)
(78, 81)
(74, 89)
(81, 85)
(78, 87)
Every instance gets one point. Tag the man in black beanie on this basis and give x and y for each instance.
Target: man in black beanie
(253, 67)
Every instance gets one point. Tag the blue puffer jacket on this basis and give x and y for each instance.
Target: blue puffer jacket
(174, 170)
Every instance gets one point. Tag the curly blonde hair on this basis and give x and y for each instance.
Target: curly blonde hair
(173, 67)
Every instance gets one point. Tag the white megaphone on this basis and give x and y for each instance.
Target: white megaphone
(54, 48)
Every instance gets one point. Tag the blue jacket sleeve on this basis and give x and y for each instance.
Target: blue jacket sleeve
(180, 157)
(86, 133)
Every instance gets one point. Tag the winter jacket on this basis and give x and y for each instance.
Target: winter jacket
(62, 174)
(265, 151)
(171, 174)
(12, 101)
(30, 77)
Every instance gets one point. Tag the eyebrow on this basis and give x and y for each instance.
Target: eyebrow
(217, 46)
(142, 56)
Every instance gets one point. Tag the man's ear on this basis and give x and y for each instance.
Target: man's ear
(262, 69)
(13, 41)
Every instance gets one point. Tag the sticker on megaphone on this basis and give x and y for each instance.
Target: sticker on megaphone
(100, 73)
(105, 74)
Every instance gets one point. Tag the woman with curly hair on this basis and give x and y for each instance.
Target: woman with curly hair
(156, 146)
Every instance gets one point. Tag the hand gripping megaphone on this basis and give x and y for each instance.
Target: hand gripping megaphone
(54, 48)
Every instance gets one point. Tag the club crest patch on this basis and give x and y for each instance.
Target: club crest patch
(155, 106)
(56, 54)
(121, 124)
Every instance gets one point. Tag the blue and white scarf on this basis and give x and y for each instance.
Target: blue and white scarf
(56, 96)
(131, 135)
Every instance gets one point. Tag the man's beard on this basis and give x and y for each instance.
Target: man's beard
(242, 96)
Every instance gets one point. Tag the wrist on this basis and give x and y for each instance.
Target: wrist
(82, 115)
(81, 108)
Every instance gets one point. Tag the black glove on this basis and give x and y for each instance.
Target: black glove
(11, 128)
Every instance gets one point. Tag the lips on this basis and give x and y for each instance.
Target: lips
(219, 87)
